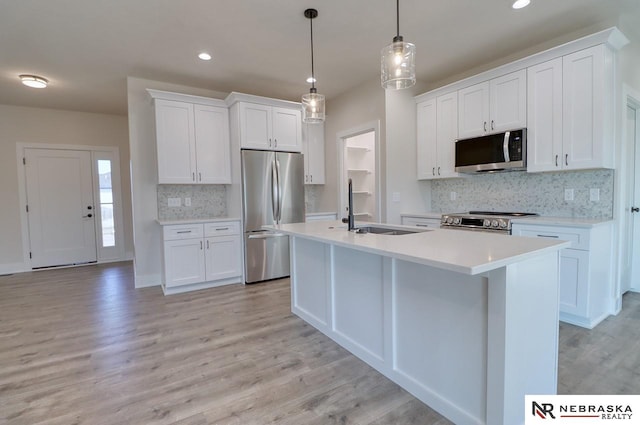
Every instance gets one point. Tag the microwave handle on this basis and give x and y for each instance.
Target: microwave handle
(505, 146)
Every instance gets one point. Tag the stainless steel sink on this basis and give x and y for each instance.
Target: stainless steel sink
(385, 230)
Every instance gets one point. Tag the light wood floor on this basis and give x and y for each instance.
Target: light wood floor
(82, 346)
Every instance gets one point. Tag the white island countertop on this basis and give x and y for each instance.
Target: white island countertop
(460, 251)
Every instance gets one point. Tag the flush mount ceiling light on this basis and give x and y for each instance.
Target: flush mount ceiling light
(312, 103)
(205, 56)
(34, 81)
(398, 61)
(519, 4)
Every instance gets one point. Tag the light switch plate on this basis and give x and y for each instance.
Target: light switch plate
(453, 196)
(174, 202)
(187, 202)
(568, 194)
(594, 194)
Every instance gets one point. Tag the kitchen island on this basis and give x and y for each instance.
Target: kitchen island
(465, 321)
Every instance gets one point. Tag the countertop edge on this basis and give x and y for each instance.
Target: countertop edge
(195, 220)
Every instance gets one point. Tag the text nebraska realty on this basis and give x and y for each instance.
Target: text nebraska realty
(609, 411)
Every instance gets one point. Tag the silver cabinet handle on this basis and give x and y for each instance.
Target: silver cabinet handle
(548, 236)
(566, 159)
(556, 160)
(221, 228)
(311, 177)
(433, 172)
(200, 175)
(269, 141)
(207, 243)
(200, 245)
(193, 176)
(485, 126)
(421, 225)
(491, 124)
(183, 231)
(438, 170)
(275, 142)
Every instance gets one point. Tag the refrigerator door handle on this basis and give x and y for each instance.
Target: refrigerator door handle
(274, 192)
(266, 235)
(279, 191)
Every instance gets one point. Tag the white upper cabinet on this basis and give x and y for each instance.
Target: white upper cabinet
(587, 96)
(269, 127)
(437, 132)
(544, 117)
(313, 150)
(493, 106)
(192, 140)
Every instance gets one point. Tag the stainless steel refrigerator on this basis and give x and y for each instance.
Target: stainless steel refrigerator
(272, 193)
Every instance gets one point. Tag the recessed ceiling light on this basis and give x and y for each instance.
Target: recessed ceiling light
(311, 80)
(205, 56)
(34, 81)
(519, 4)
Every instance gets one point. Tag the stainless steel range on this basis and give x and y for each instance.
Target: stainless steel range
(485, 221)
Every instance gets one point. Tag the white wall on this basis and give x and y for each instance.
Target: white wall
(144, 175)
(50, 126)
(404, 192)
(361, 105)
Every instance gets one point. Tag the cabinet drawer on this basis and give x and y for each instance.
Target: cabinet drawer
(182, 231)
(433, 223)
(222, 228)
(579, 238)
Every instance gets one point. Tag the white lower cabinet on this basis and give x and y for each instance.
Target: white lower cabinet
(417, 221)
(586, 292)
(201, 255)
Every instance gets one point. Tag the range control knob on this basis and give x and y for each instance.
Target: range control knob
(449, 220)
(486, 223)
(456, 220)
(494, 223)
(503, 223)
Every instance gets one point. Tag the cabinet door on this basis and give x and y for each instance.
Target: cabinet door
(447, 133)
(313, 149)
(426, 140)
(212, 144)
(255, 126)
(574, 282)
(287, 129)
(223, 255)
(508, 102)
(175, 142)
(473, 110)
(544, 116)
(584, 109)
(184, 262)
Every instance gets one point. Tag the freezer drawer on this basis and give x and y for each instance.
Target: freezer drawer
(266, 256)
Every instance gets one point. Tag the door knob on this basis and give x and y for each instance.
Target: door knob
(87, 216)
(635, 209)
(89, 207)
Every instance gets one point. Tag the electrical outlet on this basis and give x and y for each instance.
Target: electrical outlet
(174, 202)
(187, 202)
(568, 194)
(453, 196)
(396, 196)
(594, 194)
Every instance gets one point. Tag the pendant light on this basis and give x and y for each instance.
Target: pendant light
(312, 103)
(398, 61)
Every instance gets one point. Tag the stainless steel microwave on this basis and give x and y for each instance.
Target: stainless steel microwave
(493, 153)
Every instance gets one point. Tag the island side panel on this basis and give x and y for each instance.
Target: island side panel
(440, 339)
(310, 281)
(522, 336)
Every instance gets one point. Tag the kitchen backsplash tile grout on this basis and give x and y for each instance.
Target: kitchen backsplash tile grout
(542, 193)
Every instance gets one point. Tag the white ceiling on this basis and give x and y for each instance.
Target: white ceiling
(87, 48)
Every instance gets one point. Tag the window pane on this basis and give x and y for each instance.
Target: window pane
(108, 229)
(106, 196)
(104, 173)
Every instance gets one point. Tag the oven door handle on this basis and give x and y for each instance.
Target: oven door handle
(505, 146)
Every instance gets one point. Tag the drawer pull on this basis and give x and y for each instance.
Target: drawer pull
(222, 228)
(548, 236)
(421, 225)
(183, 231)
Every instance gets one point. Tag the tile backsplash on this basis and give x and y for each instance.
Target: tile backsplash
(542, 193)
(207, 201)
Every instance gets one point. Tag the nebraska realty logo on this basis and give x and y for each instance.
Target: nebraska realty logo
(581, 409)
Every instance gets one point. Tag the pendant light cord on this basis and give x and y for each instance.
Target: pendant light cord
(398, 17)
(313, 77)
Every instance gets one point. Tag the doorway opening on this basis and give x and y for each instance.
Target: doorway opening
(630, 280)
(358, 160)
(71, 203)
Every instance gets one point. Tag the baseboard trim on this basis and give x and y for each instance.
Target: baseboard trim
(11, 268)
(147, 280)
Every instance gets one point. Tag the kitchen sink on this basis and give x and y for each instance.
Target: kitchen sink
(385, 230)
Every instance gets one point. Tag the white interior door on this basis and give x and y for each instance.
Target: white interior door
(633, 130)
(60, 207)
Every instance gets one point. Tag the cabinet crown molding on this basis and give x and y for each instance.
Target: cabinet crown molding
(179, 97)
(612, 37)
(235, 97)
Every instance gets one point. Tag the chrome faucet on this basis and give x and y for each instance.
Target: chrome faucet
(350, 219)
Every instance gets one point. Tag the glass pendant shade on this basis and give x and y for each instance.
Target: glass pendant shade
(398, 65)
(313, 107)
